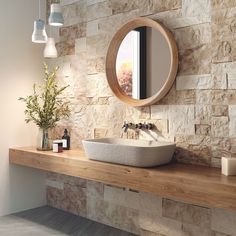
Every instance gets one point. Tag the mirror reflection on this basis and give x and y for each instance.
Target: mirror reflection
(143, 62)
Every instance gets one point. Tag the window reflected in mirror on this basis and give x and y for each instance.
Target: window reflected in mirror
(143, 62)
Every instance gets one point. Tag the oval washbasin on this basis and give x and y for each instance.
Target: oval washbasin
(140, 153)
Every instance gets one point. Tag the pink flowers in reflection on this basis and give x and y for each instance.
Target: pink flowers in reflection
(124, 76)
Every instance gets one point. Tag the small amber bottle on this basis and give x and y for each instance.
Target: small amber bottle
(66, 140)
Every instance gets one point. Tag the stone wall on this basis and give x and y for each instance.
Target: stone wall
(199, 112)
(137, 212)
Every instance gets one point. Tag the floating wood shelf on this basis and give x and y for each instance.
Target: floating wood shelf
(194, 184)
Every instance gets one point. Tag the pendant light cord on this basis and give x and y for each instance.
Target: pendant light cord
(39, 10)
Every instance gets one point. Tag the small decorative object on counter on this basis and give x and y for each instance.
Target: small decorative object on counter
(228, 166)
(66, 140)
(44, 143)
(57, 146)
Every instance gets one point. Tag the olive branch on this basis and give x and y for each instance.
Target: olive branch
(44, 107)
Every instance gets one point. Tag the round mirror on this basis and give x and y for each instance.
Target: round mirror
(141, 62)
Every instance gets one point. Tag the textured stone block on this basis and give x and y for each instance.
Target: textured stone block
(195, 61)
(80, 45)
(131, 199)
(203, 129)
(203, 114)
(224, 75)
(65, 48)
(109, 25)
(149, 233)
(219, 76)
(191, 154)
(199, 9)
(221, 146)
(92, 28)
(181, 119)
(185, 97)
(121, 6)
(223, 221)
(155, 223)
(186, 82)
(114, 215)
(220, 126)
(224, 51)
(161, 126)
(231, 81)
(174, 19)
(100, 132)
(215, 162)
(219, 4)
(74, 13)
(95, 189)
(219, 97)
(159, 112)
(70, 199)
(204, 97)
(232, 120)
(68, 2)
(66, 179)
(219, 110)
(55, 184)
(70, 33)
(154, 6)
(121, 196)
(192, 230)
(193, 140)
(91, 2)
(194, 36)
(96, 65)
(98, 10)
(93, 51)
(97, 86)
(218, 234)
(187, 213)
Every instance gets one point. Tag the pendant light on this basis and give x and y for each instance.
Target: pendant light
(56, 17)
(39, 34)
(50, 50)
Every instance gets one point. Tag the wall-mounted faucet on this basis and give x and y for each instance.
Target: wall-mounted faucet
(127, 126)
(142, 126)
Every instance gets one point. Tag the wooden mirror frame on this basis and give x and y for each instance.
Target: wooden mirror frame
(112, 55)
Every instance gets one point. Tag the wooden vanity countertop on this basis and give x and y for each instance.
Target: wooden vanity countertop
(199, 185)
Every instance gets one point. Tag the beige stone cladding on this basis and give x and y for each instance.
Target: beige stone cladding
(198, 113)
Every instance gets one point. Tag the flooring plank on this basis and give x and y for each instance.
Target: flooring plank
(49, 221)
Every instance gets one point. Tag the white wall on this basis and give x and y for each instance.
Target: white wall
(20, 66)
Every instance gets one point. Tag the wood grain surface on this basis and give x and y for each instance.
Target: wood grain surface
(199, 185)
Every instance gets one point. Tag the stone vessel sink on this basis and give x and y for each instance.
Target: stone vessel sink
(140, 153)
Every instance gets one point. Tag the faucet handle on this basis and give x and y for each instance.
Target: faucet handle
(139, 125)
(125, 124)
(149, 126)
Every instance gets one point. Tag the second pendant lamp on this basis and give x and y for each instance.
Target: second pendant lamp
(56, 17)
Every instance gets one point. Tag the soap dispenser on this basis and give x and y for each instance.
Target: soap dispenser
(66, 140)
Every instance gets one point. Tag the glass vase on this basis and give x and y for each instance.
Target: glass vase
(43, 140)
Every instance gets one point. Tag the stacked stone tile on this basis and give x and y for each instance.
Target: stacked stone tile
(199, 112)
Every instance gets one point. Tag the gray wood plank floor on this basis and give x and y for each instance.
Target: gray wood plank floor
(46, 221)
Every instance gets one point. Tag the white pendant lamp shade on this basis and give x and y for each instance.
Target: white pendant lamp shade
(56, 18)
(39, 35)
(50, 50)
